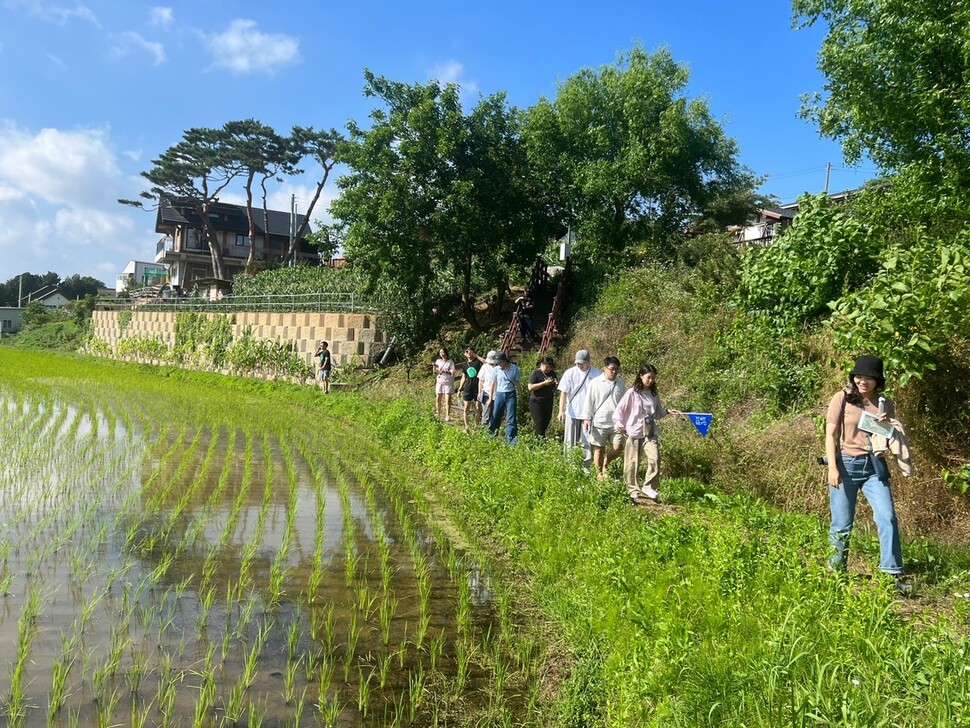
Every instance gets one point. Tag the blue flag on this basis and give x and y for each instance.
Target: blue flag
(701, 420)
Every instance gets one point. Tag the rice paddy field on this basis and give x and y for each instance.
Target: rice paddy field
(178, 553)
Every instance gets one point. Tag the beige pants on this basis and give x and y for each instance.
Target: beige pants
(635, 452)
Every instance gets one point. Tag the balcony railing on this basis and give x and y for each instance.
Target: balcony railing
(296, 303)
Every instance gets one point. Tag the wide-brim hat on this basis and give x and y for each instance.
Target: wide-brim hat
(868, 366)
(490, 358)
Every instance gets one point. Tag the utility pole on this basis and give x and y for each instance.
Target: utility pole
(20, 292)
(828, 173)
(293, 229)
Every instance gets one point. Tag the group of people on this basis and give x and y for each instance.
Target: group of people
(599, 414)
(605, 419)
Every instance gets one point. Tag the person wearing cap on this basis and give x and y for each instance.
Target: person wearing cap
(572, 400)
(468, 386)
(504, 398)
(853, 466)
(602, 396)
(485, 384)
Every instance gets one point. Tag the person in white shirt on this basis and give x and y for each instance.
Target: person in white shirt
(485, 384)
(602, 396)
(572, 401)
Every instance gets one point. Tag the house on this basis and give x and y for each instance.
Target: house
(185, 249)
(53, 299)
(768, 224)
(10, 321)
(138, 273)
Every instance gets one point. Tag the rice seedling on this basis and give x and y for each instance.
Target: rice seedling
(289, 679)
(330, 710)
(416, 679)
(299, 705)
(386, 612)
(383, 668)
(250, 664)
(363, 691)
(106, 708)
(206, 700)
(235, 704)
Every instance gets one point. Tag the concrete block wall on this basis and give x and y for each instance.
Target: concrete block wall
(351, 335)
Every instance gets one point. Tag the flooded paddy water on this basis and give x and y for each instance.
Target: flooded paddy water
(166, 565)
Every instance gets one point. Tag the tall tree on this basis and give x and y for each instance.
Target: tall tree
(77, 286)
(435, 197)
(896, 82)
(260, 152)
(191, 175)
(624, 156)
(321, 147)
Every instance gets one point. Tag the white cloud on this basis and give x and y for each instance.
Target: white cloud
(57, 61)
(242, 48)
(59, 167)
(126, 42)
(133, 154)
(89, 226)
(53, 13)
(58, 204)
(162, 17)
(454, 72)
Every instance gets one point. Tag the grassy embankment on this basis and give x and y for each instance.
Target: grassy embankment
(713, 610)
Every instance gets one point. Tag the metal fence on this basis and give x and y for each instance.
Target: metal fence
(294, 303)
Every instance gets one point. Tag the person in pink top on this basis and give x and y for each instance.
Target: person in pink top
(444, 386)
(636, 417)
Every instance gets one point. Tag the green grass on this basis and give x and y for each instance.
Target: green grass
(714, 610)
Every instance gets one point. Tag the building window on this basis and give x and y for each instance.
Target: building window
(6, 325)
(198, 273)
(242, 240)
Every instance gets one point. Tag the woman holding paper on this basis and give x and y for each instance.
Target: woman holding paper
(853, 414)
(636, 417)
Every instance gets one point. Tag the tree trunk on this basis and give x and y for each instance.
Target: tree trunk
(215, 247)
(251, 258)
(500, 291)
(467, 299)
(301, 231)
(265, 216)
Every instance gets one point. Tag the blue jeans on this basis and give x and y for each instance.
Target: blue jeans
(504, 403)
(871, 476)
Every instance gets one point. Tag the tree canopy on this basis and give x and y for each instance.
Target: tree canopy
(193, 173)
(73, 287)
(436, 199)
(896, 81)
(624, 156)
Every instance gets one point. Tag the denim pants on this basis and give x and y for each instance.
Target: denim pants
(871, 476)
(504, 403)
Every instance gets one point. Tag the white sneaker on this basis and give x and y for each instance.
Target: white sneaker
(650, 493)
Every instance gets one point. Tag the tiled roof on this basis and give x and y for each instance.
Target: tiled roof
(232, 218)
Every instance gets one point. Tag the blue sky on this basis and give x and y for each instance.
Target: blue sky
(92, 91)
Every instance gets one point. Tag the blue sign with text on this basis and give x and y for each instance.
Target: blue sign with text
(701, 420)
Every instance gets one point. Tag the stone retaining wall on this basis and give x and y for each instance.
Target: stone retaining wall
(351, 335)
